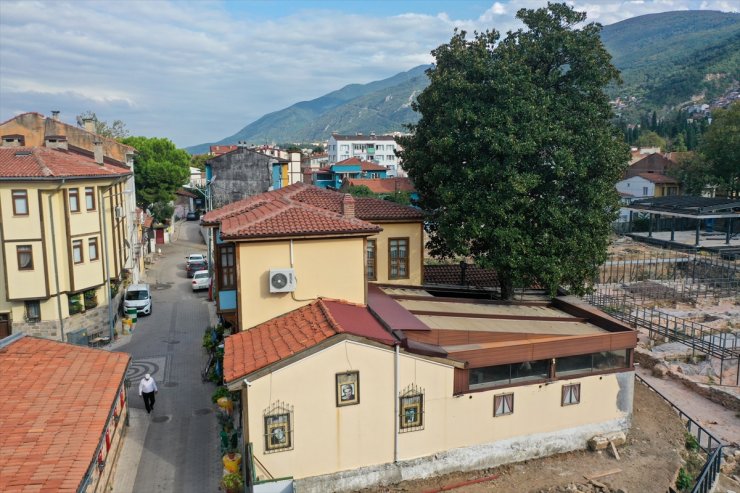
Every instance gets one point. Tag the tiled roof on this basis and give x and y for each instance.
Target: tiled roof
(55, 400)
(44, 162)
(185, 193)
(281, 217)
(384, 185)
(296, 331)
(288, 210)
(452, 275)
(363, 137)
(658, 178)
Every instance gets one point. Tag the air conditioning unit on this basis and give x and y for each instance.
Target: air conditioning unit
(282, 280)
(119, 212)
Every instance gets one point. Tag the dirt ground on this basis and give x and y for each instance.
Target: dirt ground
(648, 462)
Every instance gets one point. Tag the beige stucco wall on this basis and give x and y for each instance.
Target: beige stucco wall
(328, 439)
(329, 268)
(412, 231)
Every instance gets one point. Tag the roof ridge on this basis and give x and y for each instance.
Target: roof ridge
(329, 317)
(40, 161)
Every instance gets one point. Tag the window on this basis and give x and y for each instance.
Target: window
(227, 268)
(77, 251)
(20, 203)
(25, 257)
(398, 258)
(379, 147)
(90, 198)
(33, 311)
(278, 430)
(371, 274)
(74, 200)
(588, 363)
(494, 376)
(92, 248)
(411, 409)
(644, 191)
(571, 394)
(571, 365)
(503, 404)
(344, 147)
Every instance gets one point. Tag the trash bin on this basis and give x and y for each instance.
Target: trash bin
(131, 313)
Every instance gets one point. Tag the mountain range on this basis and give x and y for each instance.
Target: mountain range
(664, 59)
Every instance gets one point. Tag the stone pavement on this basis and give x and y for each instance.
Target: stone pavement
(175, 448)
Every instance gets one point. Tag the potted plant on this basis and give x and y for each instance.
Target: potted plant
(232, 483)
(91, 299)
(232, 461)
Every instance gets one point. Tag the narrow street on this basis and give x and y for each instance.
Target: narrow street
(180, 450)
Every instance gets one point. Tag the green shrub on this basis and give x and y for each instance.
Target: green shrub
(691, 442)
(220, 392)
(232, 482)
(684, 480)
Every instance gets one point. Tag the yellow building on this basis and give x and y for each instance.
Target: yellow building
(63, 234)
(327, 244)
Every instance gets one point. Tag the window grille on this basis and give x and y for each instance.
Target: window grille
(411, 409)
(278, 420)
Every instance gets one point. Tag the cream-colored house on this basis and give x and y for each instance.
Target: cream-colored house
(36, 130)
(63, 234)
(329, 244)
(341, 396)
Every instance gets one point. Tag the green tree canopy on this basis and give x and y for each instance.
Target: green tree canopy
(514, 156)
(199, 161)
(160, 169)
(116, 130)
(721, 148)
(650, 139)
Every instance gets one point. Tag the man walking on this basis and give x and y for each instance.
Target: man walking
(147, 389)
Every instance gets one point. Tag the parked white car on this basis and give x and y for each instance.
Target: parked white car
(195, 257)
(140, 297)
(201, 280)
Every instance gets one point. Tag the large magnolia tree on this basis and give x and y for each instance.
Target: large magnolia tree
(514, 155)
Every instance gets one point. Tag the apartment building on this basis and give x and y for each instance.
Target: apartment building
(380, 149)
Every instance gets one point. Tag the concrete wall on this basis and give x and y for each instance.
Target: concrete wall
(328, 268)
(412, 231)
(240, 174)
(635, 185)
(328, 439)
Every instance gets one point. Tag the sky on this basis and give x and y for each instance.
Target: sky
(198, 71)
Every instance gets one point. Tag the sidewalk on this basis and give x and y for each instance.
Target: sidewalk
(127, 465)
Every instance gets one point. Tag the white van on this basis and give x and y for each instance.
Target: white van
(140, 297)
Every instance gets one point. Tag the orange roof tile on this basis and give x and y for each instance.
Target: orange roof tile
(289, 211)
(48, 163)
(364, 165)
(55, 400)
(296, 331)
(658, 178)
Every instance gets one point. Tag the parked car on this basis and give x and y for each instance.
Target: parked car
(201, 280)
(192, 216)
(140, 297)
(195, 257)
(195, 266)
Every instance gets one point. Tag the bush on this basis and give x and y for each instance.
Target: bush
(684, 480)
(691, 442)
(232, 482)
(220, 392)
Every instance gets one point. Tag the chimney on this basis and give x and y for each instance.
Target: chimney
(98, 152)
(56, 142)
(55, 115)
(89, 124)
(348, 205)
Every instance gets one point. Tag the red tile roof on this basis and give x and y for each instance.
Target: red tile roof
(384, 185)
(290, 210)
(44, 162)
(296, 331)
(658, 178)
(55, 400)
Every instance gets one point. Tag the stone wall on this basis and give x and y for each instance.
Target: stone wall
(240, 174)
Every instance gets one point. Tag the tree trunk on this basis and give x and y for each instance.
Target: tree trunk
(506, 285)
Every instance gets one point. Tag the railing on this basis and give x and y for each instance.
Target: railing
(710, 444)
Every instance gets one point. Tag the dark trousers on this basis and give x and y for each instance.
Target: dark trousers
(148, 401)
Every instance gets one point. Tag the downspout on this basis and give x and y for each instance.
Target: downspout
(54, 256)
(395, 403)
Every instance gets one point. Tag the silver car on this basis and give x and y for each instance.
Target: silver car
(201, 280)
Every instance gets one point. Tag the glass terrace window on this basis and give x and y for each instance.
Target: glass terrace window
(588, 363)
(499, 375)
(20, 203)
(398, 258)
(371, 249)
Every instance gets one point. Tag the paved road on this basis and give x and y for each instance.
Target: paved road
(180, 452)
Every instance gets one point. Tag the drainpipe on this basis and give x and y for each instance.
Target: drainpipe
(395, 404)
(54, 256)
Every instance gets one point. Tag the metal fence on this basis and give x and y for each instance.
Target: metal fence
(708, 443)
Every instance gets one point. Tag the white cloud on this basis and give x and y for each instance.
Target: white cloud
(196, 71)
